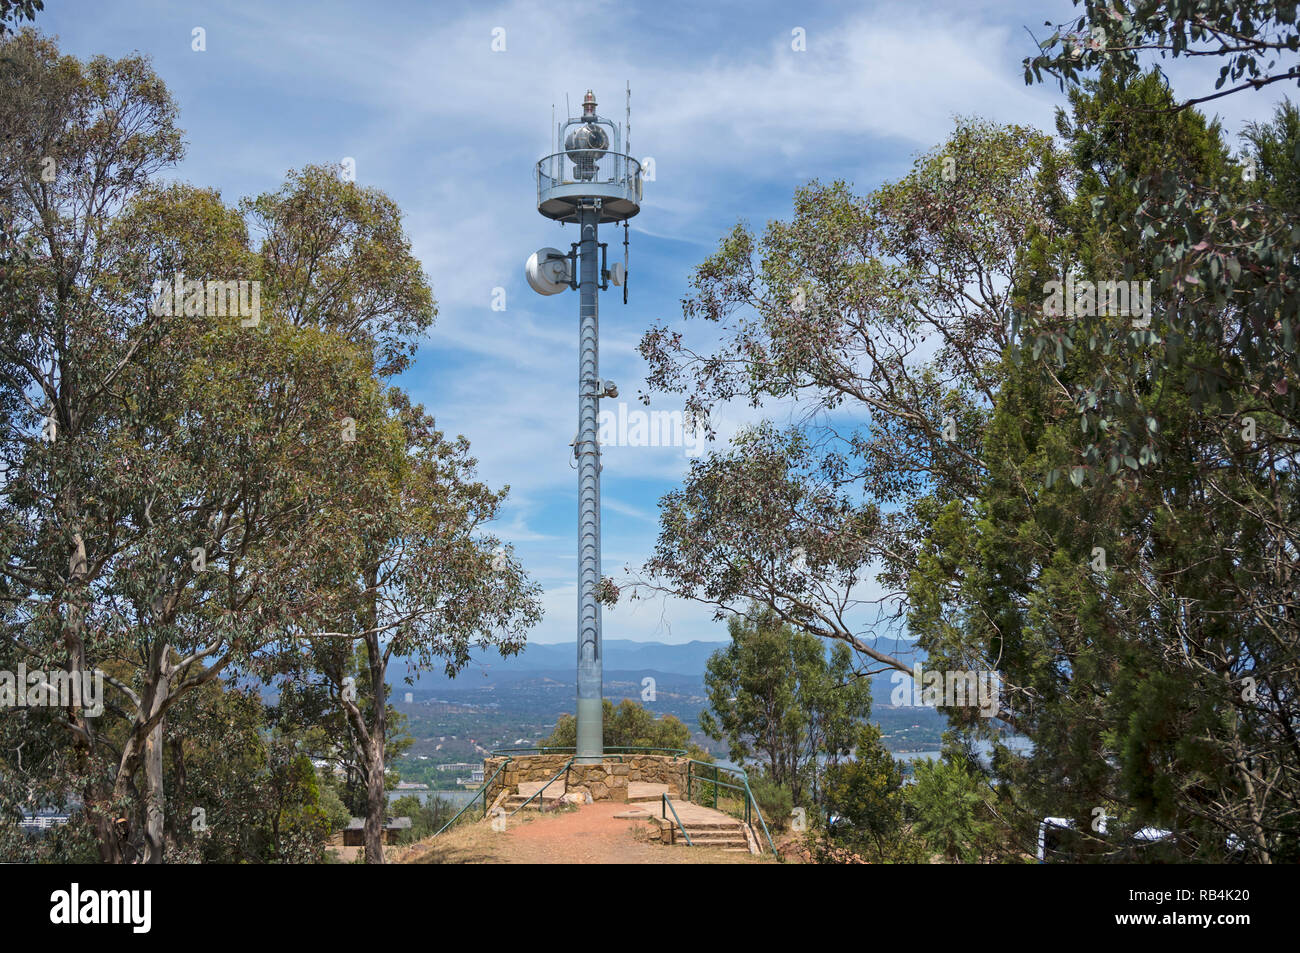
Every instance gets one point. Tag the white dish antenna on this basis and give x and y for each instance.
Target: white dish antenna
(547, 271)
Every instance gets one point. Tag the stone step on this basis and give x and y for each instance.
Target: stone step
(714, 834)
(553, 790)
(707, 826)
(719, 842)
(516, 801)
(706, 829)
(549, 797)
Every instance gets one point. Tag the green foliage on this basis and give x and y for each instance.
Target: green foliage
(1180, 700)
(427, 817)
(1134, 613)
(196, 492)
(862, 305)
(335, 255)
(948, 810)
(776, 699)
(239, 791)
(629, 725)
(15, 11)
(1100, 507)
(775, 800)
(865, 796)
(1253, 36)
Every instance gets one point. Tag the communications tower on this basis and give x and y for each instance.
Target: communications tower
(592, 182)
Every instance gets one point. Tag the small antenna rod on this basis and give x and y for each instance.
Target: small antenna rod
(627, 133)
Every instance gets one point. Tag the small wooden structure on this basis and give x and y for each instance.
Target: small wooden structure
(354, 835)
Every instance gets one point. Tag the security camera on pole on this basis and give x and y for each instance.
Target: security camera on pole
(592, 182)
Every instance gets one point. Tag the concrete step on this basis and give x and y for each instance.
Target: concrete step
(552, 795)
(645, 791)
(694, 826)
(714, 832)
(737, 842)
(516, 801)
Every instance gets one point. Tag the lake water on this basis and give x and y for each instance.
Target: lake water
(456, 798)
(1014, 742)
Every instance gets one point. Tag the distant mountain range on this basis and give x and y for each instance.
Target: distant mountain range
(688, 658)
(623, 657)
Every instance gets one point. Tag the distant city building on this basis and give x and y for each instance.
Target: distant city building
(475, 778)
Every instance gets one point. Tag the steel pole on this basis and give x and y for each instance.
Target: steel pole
(590, 742)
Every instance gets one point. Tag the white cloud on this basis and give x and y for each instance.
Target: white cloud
(734, 118)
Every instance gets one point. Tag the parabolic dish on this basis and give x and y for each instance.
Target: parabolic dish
(547, 271)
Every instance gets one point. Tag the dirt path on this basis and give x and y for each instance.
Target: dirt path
(589, 835)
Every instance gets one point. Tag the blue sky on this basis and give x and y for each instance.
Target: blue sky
(734, 118)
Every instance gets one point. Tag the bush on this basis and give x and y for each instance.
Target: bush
(775, 800)
(948, 810)
(864, 801)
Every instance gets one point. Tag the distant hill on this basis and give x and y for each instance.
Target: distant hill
(622, 655)
(495, 702)
(624, 658)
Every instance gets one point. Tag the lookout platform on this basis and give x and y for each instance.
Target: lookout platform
(653, 786)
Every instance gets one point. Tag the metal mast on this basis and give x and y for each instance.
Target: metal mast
(592, 182)
(590, 743)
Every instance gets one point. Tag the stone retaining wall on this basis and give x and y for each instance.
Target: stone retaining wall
(606, 781)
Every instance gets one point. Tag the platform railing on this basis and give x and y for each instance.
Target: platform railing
(613, 752)
(539, 791)
(481, 792)
(589, 167)
(667, 806)
(714, 782)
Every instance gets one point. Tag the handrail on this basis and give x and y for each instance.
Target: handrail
(749, 794)
(616, 749)
(481, 790)
(566, 767)
(724, 784)
(669, 804)
(759, 812)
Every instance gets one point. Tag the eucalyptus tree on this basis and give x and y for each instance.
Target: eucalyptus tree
(416, 577)
(176, 461)
(81, 141)
(413, 574)
(15, 11)
(214, 471)
(779, 699)
(334, 255)
(886, 317)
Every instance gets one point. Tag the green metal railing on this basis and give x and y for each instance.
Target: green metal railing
(751, 807)
(539, 791)
(615, 751)
(667, 806)
(714, 782)
(481, 791)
